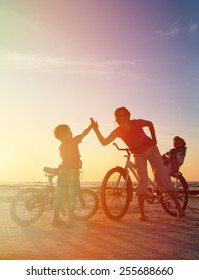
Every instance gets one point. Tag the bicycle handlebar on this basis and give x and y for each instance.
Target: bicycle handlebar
(122, 149)
(129, 150)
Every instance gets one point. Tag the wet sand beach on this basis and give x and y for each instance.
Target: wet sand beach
(161, 238)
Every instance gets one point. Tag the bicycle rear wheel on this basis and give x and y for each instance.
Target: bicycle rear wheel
(86, 205)
(115, 196)
(26, 207)
(181, 188)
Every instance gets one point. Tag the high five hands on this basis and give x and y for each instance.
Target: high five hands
(94, 124)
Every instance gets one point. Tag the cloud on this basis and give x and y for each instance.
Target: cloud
(59, 62)
(175, 31)
(193, 28)
(170, 33)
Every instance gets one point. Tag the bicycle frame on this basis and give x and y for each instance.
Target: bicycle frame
(132, 167)
(52, 172)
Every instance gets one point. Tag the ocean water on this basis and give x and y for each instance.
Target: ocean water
(193, 185)
(93, 185)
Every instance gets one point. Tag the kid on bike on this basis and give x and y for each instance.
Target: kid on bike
(174, 158)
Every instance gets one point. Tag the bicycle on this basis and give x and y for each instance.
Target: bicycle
(117, 190)
(29, 204)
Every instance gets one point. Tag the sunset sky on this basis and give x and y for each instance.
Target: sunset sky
(66, 61)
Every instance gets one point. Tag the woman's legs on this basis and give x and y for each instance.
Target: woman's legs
(174, 196)
(141, 164)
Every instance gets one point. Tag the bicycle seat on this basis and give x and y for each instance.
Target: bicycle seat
(51, 170)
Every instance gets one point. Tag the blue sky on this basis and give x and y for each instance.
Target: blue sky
(67, 61)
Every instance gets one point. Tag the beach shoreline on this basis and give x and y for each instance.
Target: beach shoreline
(162, 238)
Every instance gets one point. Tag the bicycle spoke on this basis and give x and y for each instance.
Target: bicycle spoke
(26, 207)
(86, 205)
(167, 202)
(114, 195)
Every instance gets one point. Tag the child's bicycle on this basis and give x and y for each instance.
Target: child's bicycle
(117, 191)
(29, 204)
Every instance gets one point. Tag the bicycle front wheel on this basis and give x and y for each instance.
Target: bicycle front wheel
(115, 193)
(26, 207)
(181, 188)
(86, 205)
